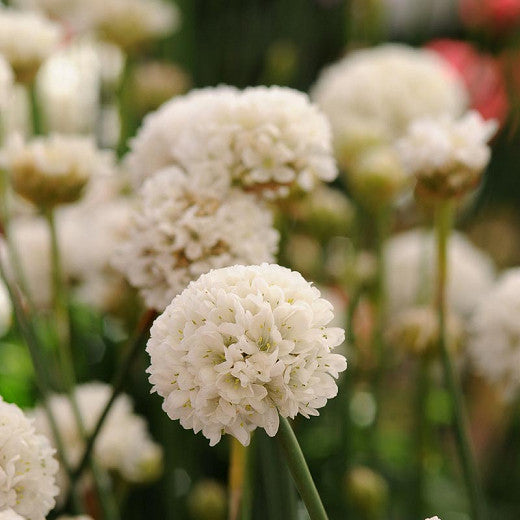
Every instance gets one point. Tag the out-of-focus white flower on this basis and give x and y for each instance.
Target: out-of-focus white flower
(185, 226)
(16, 114)
(9, 514)
(68, 86)
(411, 272)
(242, 345)
(124, 444)
(27, 466)
(268, 139)
(6, 82)
(433, 518)
(55, 169)
(447, 155)
(112, 63)
(372, 95)
(494, 345)
(26, 40)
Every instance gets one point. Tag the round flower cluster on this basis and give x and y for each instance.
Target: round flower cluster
(494, 345)
(411, 272)
(26, 40)
(447, 156)
(27, 467)
(124, 444)
(372, 95)
(268, 139)
(242, 345)
(54, 170)
(184, 227)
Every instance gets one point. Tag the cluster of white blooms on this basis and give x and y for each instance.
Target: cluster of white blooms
(54, 169)
(494, 345)
(241, 345)
(185, 226)
(9, 514)
(372, 95)
(26, 40)
(411, 271)
(27, 466)
(447, 155)
(267, 139)
(124, 444)
(6, 82)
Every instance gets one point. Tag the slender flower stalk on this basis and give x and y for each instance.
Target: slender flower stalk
(443, 222)
(237, 477)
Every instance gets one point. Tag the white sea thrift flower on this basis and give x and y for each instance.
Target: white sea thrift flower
(241, 345)
(26, 40)
(124, 444)
(447, 155)
(494, 345)
(9, 514)
(268, 139)
(27, 466)
(6, 82)
(55, 169)
(411, 272)
(186, 225)
(372, 95)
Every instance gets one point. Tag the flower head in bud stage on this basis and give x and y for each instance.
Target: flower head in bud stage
(26, 40)
(27, 466)
(367, 491)
(372, 95)
(447, 156)
(208, 500)
(187, 224)
(494, 341)
(242, 345)
(54, 170)
(268, 140)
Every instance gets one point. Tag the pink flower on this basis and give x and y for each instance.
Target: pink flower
(490, 14)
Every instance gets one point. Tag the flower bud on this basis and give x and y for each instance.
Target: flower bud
(367, 491)
(207, 501)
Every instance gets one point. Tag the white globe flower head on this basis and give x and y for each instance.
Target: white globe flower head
(27, 466)
(26, 40)
(372, 95)
(242, 345)
(494, 344)
(9, 514)
(411, 272)
(447, 155)
(187, 224)
(270, 140)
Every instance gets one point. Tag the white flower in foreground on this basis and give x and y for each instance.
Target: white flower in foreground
(9, 514)
(447, 155)
(372, 95)
(27, 466)
(494, 345)
(268, 139)
(124, 444)
(411, 272)
(26, 40)
(55, 169)
(184, 226)
(241, 345)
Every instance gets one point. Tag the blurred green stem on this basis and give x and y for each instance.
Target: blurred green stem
(238, 456)
(443, 224)
(300, 471)
(35, 108)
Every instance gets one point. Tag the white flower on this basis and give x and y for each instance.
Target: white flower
(494, 345)
(184, 226)
(411, 271)
(269, 139)
(447, 155)
(26, 40)
(27, 466)
(16, 114)
(433, 518)
(124, 444)
(6, 82)
(241, 345)
(372, 95)
(9, 514)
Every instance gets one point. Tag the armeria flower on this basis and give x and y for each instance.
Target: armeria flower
(241, 345)
(27, 466)
(186, 225)
(494, 345)
(9, 514)
(447, 156)
(124, 444)
(54, 170)
(26, 40)
(411, 272)
(270, 140)
(372, 95)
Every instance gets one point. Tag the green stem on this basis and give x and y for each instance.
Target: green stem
(300, 471)
(237, 476)
(443, 223)
(35, 109)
